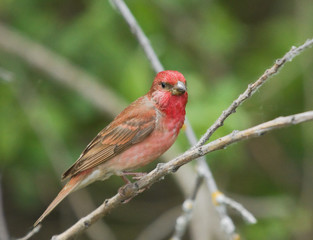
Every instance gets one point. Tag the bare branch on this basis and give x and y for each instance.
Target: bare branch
(137, 31)
(67, 74)
(203, 168)
(183, 220)
(133, 189)
(31, 233)
(157, 66)
(246, 215)
(252, 88)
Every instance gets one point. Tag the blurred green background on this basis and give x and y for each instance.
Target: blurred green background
(220, 46)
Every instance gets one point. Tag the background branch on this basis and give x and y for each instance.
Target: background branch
(252, 88)
(203, 168)
(73, 77)
(137, 31)
(198, 228)
(183, 220)
(31, 233)
(218, 53)
(131, 190)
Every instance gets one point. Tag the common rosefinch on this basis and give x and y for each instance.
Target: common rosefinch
(138, 135)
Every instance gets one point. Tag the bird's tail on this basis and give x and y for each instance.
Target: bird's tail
(71, 186)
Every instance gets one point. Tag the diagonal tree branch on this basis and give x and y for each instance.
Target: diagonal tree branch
(67, 74)
(288, 57)
(252, 88)
(140, 35)
(203, 168)
(183, 220)
(131, 190)
(87, 86)
(30, 233)
(157, 66)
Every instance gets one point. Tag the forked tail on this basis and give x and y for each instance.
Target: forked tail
(66, 190)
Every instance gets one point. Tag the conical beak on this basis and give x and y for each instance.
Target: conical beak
(179, 88)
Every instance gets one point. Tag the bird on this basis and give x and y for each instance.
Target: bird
(141, 133)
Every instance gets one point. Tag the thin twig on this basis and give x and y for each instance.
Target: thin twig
(252, 88)
(73, 77)
(133, 189)
(183, 220)
(157, 66)
(246, 215)
(137, 31)
(227, 223)
(31, 233)
(203, 168)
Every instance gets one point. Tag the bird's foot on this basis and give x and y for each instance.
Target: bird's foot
(128, 188)
(135, 176)
(125, 179)
(127, 191)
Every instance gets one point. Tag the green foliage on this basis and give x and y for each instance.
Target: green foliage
(271, 229)
(219, 46)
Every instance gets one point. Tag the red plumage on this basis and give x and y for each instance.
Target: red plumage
(138, 135)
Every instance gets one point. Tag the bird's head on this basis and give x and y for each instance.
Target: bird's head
(169, 86)
(169, 81)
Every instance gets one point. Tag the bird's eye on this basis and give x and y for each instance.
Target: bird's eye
(163, 84)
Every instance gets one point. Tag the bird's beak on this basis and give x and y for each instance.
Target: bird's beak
(179, 88)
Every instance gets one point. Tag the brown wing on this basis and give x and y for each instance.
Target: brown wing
(133, 127)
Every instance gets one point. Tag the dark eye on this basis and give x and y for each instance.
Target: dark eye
(163, 84)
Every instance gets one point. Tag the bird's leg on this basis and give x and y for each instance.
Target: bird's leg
(124, 189)
(135, 175)
(125, 179)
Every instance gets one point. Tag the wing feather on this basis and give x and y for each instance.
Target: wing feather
(132, 126)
